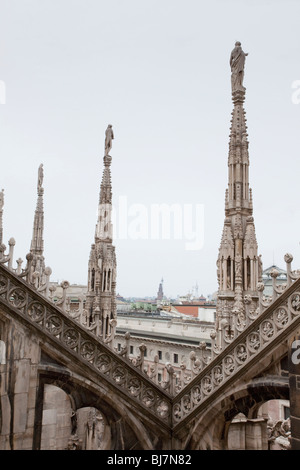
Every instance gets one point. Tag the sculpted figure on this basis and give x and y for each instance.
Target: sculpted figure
(109, 136)
(260, 268)
(1, 199)
(237, 64)
(238, 265)
(40, 176)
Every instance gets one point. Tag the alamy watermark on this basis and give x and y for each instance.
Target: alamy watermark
(162, 221)
(2, 92)
(295, 357)
(296, 93)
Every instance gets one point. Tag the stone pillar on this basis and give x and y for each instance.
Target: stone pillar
(18, 390)
(24, 404)
(4, 409)
(237, 435)
(256, 437)
(294, 382)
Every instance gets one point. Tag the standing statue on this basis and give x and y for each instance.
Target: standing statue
(237, 64)
(73, 422)
(1, 199)
(238, 265)
(40, 176)
(109, 136)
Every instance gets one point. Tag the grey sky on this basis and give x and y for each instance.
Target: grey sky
(159, 72)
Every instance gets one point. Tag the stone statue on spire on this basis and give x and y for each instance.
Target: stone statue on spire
(109, 136)
(1, 199)
(237, 64)
(40, 177)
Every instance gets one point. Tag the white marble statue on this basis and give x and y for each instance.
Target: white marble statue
(237, 64)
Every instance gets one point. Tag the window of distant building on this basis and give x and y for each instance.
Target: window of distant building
(159, 377)
(119, 346)
(175, 358)
(286, 412)
(160, 355)
(131, 349)
(145, 353)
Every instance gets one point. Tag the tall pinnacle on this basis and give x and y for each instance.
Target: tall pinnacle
(238, 195)
(239, 267)
(101, 295)
(104, 227)
(37, 242)
(36, 261)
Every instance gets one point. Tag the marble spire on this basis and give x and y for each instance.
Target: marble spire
(36, 256)
(238, 265)
(101, 295)
(37, 242)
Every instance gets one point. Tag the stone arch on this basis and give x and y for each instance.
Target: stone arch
(93, 430)
(277, 414)
(56, 418)
(127, 431)
(234, 432)
(210, 430)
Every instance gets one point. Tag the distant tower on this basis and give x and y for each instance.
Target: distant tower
(160, 293)
(102, 269)
(238, 264)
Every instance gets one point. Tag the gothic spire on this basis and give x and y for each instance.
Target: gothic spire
(238, 262)
(104, 226)
(36, 258)
(37, 242)
(101, 294)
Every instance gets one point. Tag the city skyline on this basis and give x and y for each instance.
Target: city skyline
(163, 82)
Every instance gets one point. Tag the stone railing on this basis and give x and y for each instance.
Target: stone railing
(72, 338)
(250, 307)
(270, 328)
(269, 325)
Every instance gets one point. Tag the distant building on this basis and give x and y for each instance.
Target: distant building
(201, 311)
(166, 339)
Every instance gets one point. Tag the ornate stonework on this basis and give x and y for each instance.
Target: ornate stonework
(238, 264)
(100, 308)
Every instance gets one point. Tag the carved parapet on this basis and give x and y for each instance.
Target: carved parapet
(195, 364)
(169, 384)
(19, 262)
(7, 258)
(125, 349)
(73, 340)
(291, 275)
(269, 328)
(153, 370)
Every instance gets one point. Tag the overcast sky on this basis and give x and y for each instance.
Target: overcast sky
(158, 71)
